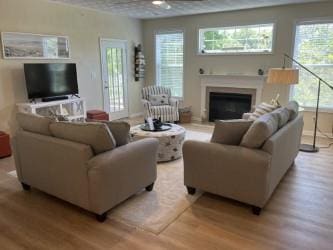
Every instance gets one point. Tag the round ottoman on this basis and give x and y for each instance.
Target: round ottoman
(170, 141)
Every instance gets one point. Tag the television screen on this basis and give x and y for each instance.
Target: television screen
(50, 79)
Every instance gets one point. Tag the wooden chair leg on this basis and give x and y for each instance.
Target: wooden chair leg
(191, 190)
(256, 210)
(150, 187)
(101, 217)
(26, 187)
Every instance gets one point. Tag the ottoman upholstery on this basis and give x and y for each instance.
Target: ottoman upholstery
(170, 141)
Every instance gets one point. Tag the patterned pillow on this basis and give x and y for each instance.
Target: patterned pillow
(262, 109)
(157, 100)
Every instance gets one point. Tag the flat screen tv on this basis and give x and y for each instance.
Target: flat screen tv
(45, 80)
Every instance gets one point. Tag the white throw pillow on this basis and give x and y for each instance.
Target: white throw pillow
(157, 100)
(262, 109)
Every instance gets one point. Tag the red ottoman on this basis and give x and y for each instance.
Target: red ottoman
(5, 149)
(97, 115)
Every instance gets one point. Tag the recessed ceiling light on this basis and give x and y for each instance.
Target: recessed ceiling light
(157, 2)
(163, 4)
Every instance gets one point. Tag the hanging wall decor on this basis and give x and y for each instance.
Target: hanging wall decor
(139, 63)
(34, 46)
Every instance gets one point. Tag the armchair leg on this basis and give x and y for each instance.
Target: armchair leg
(191, 190)
(26, 187)
(256, 210)
(150, 187)
(101, 217)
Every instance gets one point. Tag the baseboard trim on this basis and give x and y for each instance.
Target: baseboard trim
(196, 119)
(136, 115)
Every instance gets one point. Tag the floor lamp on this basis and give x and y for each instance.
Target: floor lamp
(290, 76)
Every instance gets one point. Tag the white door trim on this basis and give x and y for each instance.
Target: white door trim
(115, 115)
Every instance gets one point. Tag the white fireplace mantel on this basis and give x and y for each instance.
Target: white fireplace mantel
(230, 81)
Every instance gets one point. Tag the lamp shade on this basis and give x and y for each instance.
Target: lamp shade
(285, 76)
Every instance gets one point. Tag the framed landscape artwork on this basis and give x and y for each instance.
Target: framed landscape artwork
(34, 46)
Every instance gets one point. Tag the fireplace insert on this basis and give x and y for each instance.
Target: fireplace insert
(227, 106)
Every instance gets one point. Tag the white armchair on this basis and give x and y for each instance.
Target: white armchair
(168, 112)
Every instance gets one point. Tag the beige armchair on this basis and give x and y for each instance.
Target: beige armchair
(74, 172)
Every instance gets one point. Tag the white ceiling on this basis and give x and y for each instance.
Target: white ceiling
(144, 9)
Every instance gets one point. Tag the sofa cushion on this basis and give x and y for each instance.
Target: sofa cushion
(262, 109)
(34, 123)
(97, 135)
(157, 100)
(283, 116)
(230, 132)
(293, 109)
(260, 130)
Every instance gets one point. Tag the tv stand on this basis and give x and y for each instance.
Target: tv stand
(73, 108)
(54, 98)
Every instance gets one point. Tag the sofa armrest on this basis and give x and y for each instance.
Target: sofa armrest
(174, 102)
(117, 174)
(231, 171)
(53, 165)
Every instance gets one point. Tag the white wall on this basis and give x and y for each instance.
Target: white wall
(284, 16)
(84, 28)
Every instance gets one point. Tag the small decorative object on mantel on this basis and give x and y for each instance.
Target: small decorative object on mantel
(260, 72)
(139, 63)
(201, 71)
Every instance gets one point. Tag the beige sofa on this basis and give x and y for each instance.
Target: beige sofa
(244, 174)
(74, 172)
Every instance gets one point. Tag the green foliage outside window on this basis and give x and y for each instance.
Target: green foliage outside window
(314, 49)
(242, 39)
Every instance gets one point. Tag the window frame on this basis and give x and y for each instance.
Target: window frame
(200, 31)
(319, 20)
(169, 31)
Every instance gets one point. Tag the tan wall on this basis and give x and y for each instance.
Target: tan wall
(284, 16)
(84, 28)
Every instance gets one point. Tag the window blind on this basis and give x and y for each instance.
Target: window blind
(314, 49)
(169, 61)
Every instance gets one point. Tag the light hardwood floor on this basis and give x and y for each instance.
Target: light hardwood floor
(298, 216)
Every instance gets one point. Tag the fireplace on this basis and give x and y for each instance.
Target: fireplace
(226, 106)
(242, 84)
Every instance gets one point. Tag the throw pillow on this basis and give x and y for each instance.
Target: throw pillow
(230, 132)
(283, 116)
(120, 131)
(97, 135)
(262, 109)
(157, 100)
(293, 110)
(260, 130)
(34, 123)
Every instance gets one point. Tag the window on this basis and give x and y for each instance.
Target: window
(314, 49)
(238, 39)
(169, 61)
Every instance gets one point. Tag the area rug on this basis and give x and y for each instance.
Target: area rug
(154, 211)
